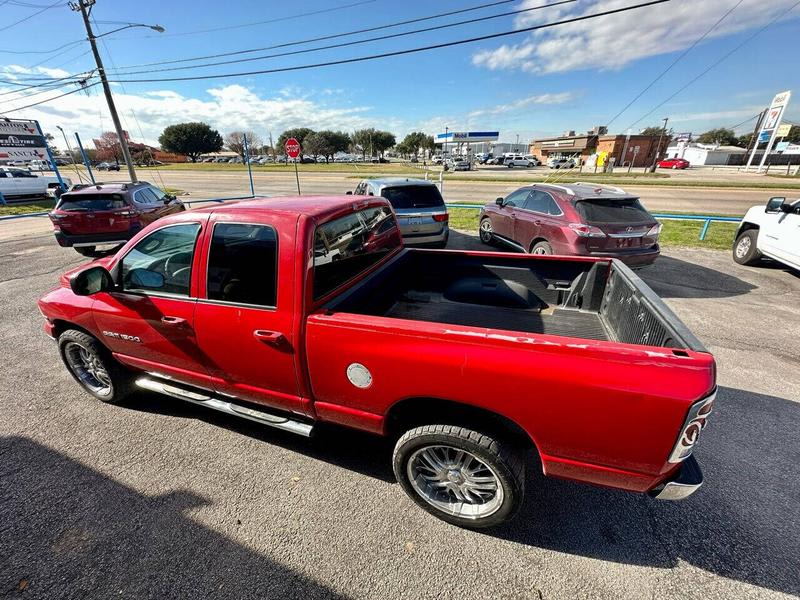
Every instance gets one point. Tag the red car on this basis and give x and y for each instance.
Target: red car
(108, 214)
(574, 220)
(673, 163)
(292, 312)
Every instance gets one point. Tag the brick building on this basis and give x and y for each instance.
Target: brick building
(639, 150)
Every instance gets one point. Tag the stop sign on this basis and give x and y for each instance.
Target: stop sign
(292, 148)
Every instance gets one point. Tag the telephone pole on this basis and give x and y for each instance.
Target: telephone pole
(81, 5)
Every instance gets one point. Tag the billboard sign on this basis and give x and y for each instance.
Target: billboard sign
(682, 137)
(21, 140)
(770, 126)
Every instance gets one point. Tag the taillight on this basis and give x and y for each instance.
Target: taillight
(654, 230)
(695, 422)
(441, 218)
(587, 230)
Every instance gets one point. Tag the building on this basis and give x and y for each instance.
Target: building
(638, 150)
(708, 154)
(466, 142)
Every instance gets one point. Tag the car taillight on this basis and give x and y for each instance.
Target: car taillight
(441, 217)
(587, 230)
(654, 231)
(695, 422)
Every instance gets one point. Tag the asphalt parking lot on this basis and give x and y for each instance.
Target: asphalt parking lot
(161, 499)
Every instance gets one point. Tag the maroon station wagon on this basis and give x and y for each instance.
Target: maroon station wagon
(579, 219)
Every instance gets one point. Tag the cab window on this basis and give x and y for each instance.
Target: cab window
(162, 261)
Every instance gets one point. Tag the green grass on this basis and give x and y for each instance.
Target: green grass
(676, 234)
(354, 169)
(21, 208)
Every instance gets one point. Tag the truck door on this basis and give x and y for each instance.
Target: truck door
(244, 319)
(8, 185)
(28, 184)
(780, 235)
(149, 320)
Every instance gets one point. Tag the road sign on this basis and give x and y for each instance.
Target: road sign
(292, 148)
(21, 140)
(783, 130)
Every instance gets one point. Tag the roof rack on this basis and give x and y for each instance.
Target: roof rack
(613, 188)
(559, 187)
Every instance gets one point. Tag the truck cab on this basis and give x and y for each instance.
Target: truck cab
(771, 231)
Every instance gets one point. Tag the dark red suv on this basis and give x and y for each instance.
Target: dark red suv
(576, 219)
(108, 214)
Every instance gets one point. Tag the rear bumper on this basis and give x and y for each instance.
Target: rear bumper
(638, 258)
(683, 484)
(425, 239)
(67, 240)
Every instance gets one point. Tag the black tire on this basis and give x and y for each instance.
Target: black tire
(745, 248)
(505, 464)
(510, 165)
(542, 248)
(89, 251)
(118, 383)
(485, 231)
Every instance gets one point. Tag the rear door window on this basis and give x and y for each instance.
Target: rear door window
(90, 202)
(413, 196)
(243, 264)
(612, 210)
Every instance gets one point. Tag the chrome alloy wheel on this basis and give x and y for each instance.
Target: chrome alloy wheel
(88, 368)
(743, 247)
(486, 231)
(455, 481)
(539, 251)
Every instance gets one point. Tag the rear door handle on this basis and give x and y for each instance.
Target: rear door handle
(537, 222)
(174, 321)
(272, 338)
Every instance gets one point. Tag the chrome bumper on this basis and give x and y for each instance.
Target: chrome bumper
(684, 484)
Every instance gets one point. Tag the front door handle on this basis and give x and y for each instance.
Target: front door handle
(537, 222)
(174, 321)
(272, 338)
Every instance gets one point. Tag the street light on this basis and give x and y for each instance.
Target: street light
(157, 28)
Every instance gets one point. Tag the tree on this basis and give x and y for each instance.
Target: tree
(234, 141)
(745, 140)
(108, 147)
(655, 130)
(316, 144)
(721, 136)
(298, 133)
(373, 140)
(382, 141)
(414, 142)
(794, 135)
(191, 139)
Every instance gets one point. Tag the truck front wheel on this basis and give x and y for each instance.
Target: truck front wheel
(745, 249)
(459, 475)
(93, 367)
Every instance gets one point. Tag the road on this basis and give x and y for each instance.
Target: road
(157, 498)
(219, 184)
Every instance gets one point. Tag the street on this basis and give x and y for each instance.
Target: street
(158, 498)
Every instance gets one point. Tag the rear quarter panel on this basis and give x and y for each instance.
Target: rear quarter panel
(597, 411)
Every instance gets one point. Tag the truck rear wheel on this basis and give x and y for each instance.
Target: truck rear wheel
(745, 248)
(459, 475)
(93, 367)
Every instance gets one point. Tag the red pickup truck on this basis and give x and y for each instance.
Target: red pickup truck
(296, 311)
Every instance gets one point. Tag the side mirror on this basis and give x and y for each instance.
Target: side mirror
(774, 204)
(91, 281)
(499, 201)
(169, 198)
(349, 193)
(786, 207)
(145, 279)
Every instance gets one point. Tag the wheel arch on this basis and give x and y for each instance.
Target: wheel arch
(536, 241)
(62, 325)
(745, 226)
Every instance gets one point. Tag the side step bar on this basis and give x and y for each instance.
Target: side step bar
(230, 408)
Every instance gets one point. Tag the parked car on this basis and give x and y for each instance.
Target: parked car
(575, 220)
(536, 162)
(461, 165)
(497, 160)
(21, 183)
(108, 214)
(518, 161)
(419, 207)
(772, 231)
(470, 362)
(107, 166)
(40, 165)
(673, 163)
(561, 163)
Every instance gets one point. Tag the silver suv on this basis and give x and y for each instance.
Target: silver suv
(419, 207)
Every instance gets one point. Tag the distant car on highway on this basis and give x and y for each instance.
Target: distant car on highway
(107, 166)
(673, 163)
(108, 214)
(577, 219)
(772, 231)
(561, 163)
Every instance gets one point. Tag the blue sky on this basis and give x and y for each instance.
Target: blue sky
(569, 77)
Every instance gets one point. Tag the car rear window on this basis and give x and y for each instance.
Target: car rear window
(90, 202)
(413, 196)
(612, 210)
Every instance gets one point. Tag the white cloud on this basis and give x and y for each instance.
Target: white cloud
(538, 99)
(13, 71)
(613, 41)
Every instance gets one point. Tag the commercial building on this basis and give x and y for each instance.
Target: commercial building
(467, 142)
(707, 154)
(634, 150)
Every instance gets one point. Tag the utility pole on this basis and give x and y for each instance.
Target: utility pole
(271, 147)
(81, 5)
(658, 146)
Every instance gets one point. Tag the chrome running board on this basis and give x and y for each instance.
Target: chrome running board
(209, 401)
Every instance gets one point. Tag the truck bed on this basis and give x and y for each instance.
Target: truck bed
(592, 300)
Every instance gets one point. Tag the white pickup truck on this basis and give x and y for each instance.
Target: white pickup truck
(772, 231)
(21, 183)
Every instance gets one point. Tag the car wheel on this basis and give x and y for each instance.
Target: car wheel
(674, 166)
(93, 367)
(510, 166)
(542, 248)
(486, 231)
(745, 249)
(86, 251)
(459, 475)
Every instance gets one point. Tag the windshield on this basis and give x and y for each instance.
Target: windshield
(90, 202)
(345, 247)
(612, 210)
(413, 196)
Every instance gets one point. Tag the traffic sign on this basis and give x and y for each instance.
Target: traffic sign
(292, 148)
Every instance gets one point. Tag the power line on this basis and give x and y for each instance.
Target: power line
(675, 62)
(5, 112)
(400, 52)
(73, 79)
(324, 37)
(30, 16)
(355, 42)
(717, 62)
(43, 51)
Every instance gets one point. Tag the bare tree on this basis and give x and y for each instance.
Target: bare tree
(234, 141)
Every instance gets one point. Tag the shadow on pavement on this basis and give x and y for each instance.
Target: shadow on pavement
(674, 278)
(70, 532)
(742, 524)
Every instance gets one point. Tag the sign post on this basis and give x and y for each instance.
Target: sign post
(292, 148)
(769, 129)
